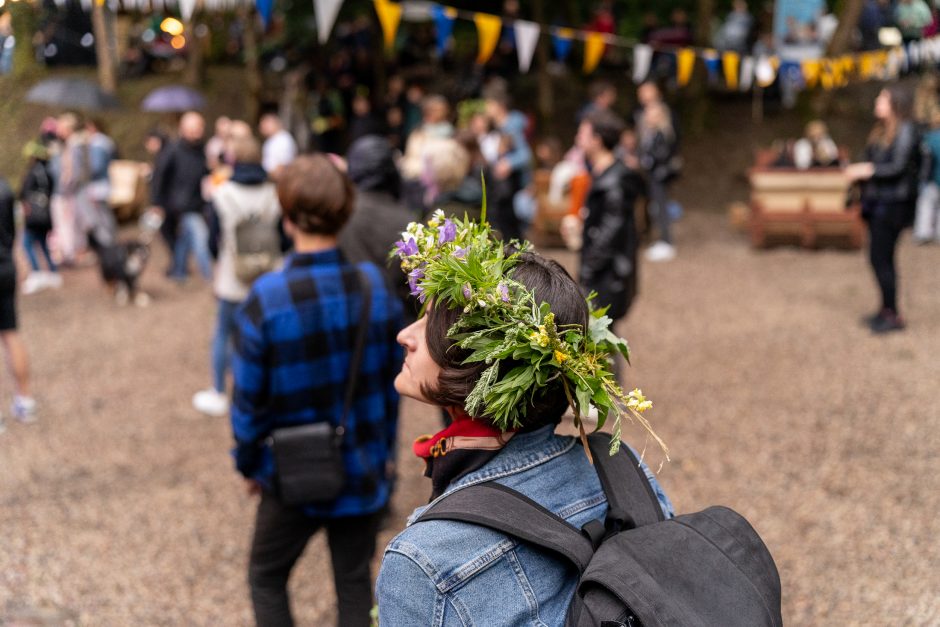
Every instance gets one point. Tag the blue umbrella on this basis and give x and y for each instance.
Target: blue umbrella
(173, 98)
(72, 93)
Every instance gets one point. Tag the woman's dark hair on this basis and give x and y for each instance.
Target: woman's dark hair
(314, 195)
(550, 283)
(902, 102)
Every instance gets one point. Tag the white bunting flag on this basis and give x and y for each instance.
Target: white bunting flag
(642, 57)
(747, 74)
(187, 8)
(326, 12)
(527, 37)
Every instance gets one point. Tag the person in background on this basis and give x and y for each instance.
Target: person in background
(889, 194)
(603, 97)
(912, 17)
(927, 220)
(422, 142)
(100, 224)
(247, 195)
(512, 170)
(876, 14)
(364, 120)
(293, 347)
(658, 159)
(176, 190)
(609, 236)
(378, 218)
(279, 146)
(735, 33)
(70, 172)
(215, 147)
(36, 198)
(816, 148)
(24, 406)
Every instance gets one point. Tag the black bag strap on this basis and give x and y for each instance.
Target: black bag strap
(503, 509)
(631, 501)
(365, 286)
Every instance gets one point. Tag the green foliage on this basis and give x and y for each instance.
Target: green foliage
(458, 263)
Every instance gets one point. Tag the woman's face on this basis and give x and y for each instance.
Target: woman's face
(883, 109)
(419, 369)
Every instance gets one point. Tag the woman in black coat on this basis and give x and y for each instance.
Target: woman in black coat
(889, 194)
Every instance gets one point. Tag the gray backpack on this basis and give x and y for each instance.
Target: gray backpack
(635, 568)
(257, 248)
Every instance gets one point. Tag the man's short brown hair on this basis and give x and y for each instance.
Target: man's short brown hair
(314, 195)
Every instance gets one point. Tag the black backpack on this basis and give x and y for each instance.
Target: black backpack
(635, 568)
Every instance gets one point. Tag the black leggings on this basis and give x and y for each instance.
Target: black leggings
(883, 239)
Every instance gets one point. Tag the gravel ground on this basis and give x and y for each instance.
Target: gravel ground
(121, 506)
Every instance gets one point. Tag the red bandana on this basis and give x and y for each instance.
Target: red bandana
(463, 433)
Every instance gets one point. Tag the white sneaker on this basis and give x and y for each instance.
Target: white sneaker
(33, 283)
(660, 251)
(211, 402)
(24, 409)
(142, 299)
(52, 279)
(121, 295)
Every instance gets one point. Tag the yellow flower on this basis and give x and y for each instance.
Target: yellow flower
(637, 402)
(560, 357)
(642, 407)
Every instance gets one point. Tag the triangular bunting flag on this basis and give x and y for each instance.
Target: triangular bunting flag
(765, 72)
(685, 62)
(488, 29)
(326, 12)
(389, 17)
(731, 63)
(810, 69)
(187, 8)
(712, 63)
(594, 46)
(265, 10)
(747, 73)
(444, 22)
(527, 37)
(561, 41)
(642, 57)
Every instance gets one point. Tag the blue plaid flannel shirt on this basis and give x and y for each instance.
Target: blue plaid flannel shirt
(294, 338)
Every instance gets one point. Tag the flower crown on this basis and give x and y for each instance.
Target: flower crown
(461, 263)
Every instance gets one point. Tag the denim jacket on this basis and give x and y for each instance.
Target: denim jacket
(442, 572)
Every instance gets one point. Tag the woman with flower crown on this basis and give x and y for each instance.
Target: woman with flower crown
(507, 344)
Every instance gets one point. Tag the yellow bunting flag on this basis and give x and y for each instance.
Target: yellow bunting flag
(390, 17)
(866, 66)
(731, 62)
(594, 46)
(685, 60)
(810, 69)
(488, 29)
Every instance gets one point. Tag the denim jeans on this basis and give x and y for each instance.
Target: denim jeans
(222, 342)
(193, 239)
(30, 241)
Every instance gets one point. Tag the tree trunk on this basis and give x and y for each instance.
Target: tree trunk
(195, 58)
(705, 13)
(252, 66)
(102, 19)
(546, 94)
(696, 92)
(848, 21)
(840, 43)
(25, 20)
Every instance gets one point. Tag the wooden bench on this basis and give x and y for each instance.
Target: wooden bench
(806, 203)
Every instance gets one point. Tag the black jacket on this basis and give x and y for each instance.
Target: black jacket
(7, 225)
(893, 187)
(609, 249)
(177, 178)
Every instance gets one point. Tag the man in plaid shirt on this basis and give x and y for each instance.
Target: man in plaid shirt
(294, 341)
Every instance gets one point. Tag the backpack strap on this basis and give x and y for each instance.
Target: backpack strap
(631, 501)
(503, 509)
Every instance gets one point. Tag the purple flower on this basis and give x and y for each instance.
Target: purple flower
(416, 290)
(447, 232)
(503, 292)
(406, 250)
(467, 292)
(460, 253)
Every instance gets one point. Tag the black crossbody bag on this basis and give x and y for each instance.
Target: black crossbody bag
(308, 459)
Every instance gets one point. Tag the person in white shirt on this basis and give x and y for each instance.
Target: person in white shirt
(279, 145)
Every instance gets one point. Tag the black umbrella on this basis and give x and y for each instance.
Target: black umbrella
(71, 93)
